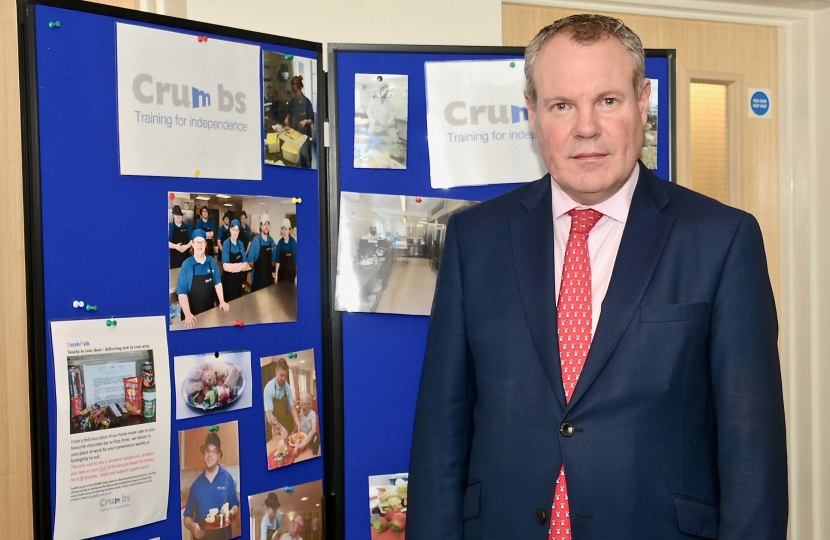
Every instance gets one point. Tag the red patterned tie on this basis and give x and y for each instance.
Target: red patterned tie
(573, 314)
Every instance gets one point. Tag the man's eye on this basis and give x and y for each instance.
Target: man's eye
(609, 101)
(560, 106)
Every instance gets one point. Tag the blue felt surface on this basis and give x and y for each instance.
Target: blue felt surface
(95, 221)
(383, 353)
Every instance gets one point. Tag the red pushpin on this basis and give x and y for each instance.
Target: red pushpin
(202, 38)
(172, 196)
(418, 199)
(238, 323)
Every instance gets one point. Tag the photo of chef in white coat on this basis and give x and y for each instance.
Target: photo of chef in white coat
(380, 121)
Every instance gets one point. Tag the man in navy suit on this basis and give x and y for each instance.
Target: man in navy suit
(673, 427)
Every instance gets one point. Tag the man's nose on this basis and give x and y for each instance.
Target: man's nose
(587, 124)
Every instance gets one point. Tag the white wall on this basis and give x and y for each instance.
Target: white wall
(820, 272)
(422, 22)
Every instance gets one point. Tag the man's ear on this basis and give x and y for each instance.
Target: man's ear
(531, 114)
(643, 101)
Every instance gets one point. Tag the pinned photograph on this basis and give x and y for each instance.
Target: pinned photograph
(289, 94)
(212, 382)
(381, 105)
(387, 505)
(111, 390)
(209, 482)
(226, 266)
(289, 392)
(648, 154)
(290, 513)
(389, 251)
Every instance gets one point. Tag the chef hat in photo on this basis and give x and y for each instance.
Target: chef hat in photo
(271, 501)
(264, 218)
(177, 210)
(235, 223)
(198, 233)
(212, 438)
(286, 223)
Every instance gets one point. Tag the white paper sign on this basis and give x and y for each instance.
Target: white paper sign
(105, 381)
(186, 107)
(112, 468)
(478, 126)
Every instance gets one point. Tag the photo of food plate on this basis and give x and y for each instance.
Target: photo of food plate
(387, 506)
(213, 385)
(212, 382)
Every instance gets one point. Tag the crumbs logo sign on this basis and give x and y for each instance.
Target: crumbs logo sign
(148, 91)
(110, 503)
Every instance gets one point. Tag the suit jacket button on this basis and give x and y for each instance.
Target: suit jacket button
(541, 516)
(567, 429)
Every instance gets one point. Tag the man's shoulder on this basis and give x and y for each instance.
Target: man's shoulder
(692, 208)
(507, 205)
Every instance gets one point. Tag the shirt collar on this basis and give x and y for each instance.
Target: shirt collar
(616, 207)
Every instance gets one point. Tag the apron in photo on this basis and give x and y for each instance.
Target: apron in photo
(244, 238)
(262, 268)
(202, 293)
(270, 533)
(288, 266)
(180, 236)
(232, 281)
(282, 413)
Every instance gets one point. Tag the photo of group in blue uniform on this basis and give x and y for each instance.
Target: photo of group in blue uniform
(234, 272)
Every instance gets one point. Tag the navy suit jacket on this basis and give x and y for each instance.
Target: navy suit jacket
(678, 413)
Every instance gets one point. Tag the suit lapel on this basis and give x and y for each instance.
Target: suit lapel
(644, 237)
(532, 237)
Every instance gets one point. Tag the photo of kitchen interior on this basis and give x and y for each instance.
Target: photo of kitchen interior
(273, 515)
(252, 296)
(212, 450)
(389, 251)
(381, 112)
(111, 390)
(289, 109)
(292, 410)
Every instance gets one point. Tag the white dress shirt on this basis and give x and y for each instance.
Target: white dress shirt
(603, 240)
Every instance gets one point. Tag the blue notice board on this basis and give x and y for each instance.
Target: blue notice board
(382, 354)
(97, 236)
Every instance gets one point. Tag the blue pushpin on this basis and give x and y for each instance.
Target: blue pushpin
(54, 24)
(91, 308)
(289, 489)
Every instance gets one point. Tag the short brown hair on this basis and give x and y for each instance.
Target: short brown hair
(281, 363)
(298, 80)
(585, 29)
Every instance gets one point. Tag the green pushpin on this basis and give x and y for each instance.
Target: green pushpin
(54, 24)
(289, 56)
(213, 428)
(111, 322)
(292, 355)
(91, 308)
(512, 64)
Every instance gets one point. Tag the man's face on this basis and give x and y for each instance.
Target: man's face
(281, 375)
(384, 91)
(211, 456)
(284, 232)
(243, 220)
(588, 119)
(305, 405)
(296, 526)
(265, 228)
(177, 219)
(204, 213)
(272, 513)
(373, 231)
(234, 233)
(226, 220)
(199, 246)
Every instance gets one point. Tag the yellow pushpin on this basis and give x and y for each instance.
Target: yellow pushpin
(296, 200)
(196, 173)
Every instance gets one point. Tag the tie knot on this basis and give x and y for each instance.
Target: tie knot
(583, 220)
